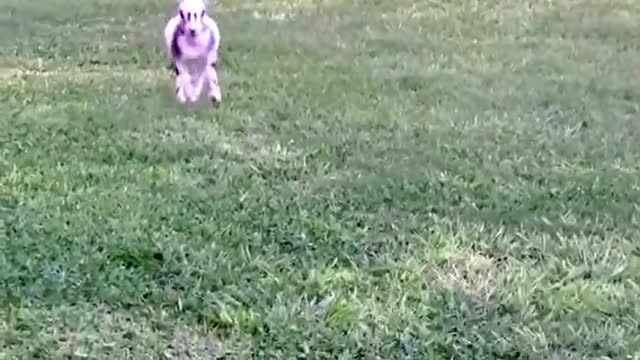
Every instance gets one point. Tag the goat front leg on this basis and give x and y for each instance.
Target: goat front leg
(183, 83)
(215, 93)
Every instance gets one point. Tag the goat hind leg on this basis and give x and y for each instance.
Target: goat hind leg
(198, 85)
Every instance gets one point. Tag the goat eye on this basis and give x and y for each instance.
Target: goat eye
(181, 15)
(189, 16)
(202, 15)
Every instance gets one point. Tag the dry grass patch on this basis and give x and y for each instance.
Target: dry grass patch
(90, 333)
(77, 76)
(9, 72)
(477, 276)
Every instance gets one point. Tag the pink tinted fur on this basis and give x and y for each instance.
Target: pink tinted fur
(197, 60)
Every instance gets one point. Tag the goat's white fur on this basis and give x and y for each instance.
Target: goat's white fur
(195, 56)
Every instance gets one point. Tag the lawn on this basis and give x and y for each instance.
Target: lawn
(383, 180)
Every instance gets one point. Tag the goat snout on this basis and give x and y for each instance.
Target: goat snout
(192, 32)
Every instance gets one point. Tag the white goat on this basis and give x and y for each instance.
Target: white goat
(192, 40)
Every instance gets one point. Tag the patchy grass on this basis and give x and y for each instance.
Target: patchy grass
(383, 180)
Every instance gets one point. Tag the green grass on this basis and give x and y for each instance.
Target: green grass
(384, 179)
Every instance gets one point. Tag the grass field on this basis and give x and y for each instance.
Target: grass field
(383, 180)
